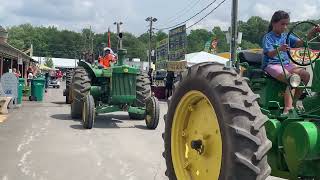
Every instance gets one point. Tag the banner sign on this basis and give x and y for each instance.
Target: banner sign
(161, 65)
(162, 50)
(177, 43)
(175, 66)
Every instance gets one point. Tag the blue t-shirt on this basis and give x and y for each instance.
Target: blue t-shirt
(271, 39)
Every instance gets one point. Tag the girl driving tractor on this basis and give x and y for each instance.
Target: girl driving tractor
(272, 64)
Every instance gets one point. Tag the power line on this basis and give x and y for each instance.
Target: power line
(190, 17)
(181, 13)
(207, 14)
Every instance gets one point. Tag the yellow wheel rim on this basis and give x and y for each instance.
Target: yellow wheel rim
(196, 144)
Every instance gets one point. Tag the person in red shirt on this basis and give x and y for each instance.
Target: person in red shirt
(59, 74)
(17, 74)
(105, 60)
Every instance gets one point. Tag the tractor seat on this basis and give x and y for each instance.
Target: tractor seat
(253, 58)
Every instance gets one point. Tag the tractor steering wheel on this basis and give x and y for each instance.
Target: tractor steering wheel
(310, 51)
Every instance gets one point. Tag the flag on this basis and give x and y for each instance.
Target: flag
(109, 40)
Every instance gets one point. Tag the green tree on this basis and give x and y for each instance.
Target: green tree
(160, 35)
(197, 39)
(248, 45)
(254, 29)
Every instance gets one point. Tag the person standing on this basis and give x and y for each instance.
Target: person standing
(150, 75)
(30, 77)
(17, 74)
(169, 83)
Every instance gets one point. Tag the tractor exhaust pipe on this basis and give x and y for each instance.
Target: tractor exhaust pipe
(121, 56)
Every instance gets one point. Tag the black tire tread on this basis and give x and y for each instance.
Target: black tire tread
(80, 87)
(143, 89)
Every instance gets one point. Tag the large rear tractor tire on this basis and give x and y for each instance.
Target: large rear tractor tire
(81, 85)
(214, 128)
(88, 112)
(143, 89)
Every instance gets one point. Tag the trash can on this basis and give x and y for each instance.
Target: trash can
(37, 89)
(20, 89)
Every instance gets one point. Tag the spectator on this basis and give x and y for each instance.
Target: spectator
(150, 75)
(17, 74)
(169, 83)
(46, 76)
(30, 77)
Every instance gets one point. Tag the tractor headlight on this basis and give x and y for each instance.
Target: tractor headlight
(294, 80)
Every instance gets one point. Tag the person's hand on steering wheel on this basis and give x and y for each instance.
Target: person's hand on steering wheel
(308, 43)
(316, 29)
(284, 47)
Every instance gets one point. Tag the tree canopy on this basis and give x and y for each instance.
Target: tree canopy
(52, 42)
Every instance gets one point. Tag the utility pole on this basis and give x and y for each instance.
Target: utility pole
(151, 20)
(234, 33)
(91, 49)
(119, 34)
(91, 37)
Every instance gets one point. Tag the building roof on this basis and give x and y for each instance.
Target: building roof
(12, 51)
(59, 62)
(2, 29)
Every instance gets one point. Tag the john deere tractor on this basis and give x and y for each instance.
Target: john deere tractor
(97, 90)
(227, 126)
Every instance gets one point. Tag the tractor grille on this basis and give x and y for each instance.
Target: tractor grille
(123, 90)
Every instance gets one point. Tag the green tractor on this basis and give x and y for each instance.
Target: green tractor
(97, 90)
(227, 126)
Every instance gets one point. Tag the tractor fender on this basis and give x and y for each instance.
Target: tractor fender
(93, 72)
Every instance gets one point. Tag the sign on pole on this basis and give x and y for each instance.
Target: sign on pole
(177, 43)
(171, 51)
(162, 50)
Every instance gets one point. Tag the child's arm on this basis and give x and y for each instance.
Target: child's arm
(314, 30)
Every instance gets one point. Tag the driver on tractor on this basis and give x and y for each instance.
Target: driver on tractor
(107, 59)
(272, 64)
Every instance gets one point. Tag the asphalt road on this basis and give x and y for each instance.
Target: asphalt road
(40, 141)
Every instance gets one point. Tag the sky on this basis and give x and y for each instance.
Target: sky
(101, 14)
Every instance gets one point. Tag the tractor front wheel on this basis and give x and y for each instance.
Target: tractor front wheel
(136, 116)
(152, 112)
(214, 128)
(80, 87)
(88, 112)
(76, 108)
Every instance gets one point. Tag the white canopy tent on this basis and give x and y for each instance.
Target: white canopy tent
(199, 57)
